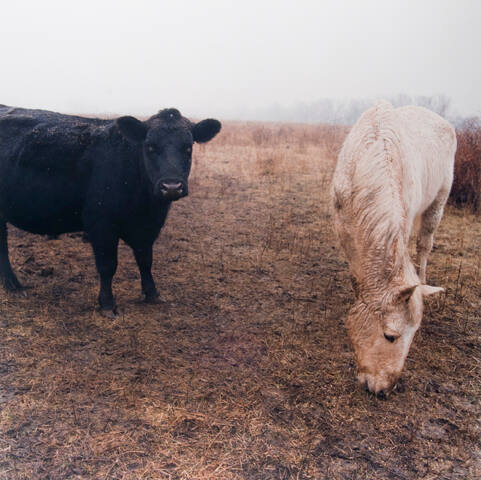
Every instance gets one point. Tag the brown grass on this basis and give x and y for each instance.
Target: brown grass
(466, 191)
(245, 370)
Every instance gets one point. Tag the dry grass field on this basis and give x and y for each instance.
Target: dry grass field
(244, 371)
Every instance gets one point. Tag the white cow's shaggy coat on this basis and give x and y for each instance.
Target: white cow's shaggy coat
(395, 165)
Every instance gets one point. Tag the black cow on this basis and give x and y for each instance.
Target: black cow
(113, 179)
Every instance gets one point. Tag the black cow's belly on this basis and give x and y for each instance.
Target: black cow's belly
(56, 223)
(43, 204)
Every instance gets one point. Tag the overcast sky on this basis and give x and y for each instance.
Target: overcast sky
(214, 57)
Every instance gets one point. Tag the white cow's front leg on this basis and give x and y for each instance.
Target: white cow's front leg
(430, 220)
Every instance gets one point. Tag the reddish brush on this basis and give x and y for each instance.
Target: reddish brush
(466, 190)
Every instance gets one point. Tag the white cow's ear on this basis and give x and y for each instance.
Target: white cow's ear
(405, 293)
(428, 290)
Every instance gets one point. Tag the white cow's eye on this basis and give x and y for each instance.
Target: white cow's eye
(390, 338)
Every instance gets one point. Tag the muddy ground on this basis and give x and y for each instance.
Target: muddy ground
(244, 370)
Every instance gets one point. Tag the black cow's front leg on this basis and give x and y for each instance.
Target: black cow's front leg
(105, 244)
(143, 257)
(8, 278)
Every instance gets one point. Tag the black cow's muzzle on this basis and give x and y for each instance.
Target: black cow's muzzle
(171, 190)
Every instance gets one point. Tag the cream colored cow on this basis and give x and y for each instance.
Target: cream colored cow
(395, 165)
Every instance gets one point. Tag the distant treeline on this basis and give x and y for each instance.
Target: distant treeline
(344, 112)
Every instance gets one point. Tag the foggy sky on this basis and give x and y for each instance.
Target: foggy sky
(224, 58)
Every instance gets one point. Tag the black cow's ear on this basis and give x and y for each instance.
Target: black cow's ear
(131, 128)
(205, 130)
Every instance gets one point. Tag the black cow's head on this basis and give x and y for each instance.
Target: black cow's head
(167, 140)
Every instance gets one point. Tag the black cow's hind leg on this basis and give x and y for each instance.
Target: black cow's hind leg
(143, 257)
(8, 278)
(105, 246)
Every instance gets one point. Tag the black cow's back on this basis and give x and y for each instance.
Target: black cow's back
(54, 117)
(45, 168)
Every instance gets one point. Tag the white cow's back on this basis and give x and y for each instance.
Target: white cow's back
(392, 166)
(429, 144)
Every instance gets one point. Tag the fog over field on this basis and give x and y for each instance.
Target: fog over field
(268, 60)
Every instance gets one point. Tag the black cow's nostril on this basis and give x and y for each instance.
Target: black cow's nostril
(171, 186)
(171, 190)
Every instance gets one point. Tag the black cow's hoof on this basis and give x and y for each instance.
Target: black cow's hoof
(153, 298)
(19, 292)
(12, 285)
(109, 313)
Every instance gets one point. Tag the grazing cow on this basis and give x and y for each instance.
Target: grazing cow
(396, 165)
(113, 179)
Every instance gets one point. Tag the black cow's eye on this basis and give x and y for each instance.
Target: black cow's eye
(188, 149)
(150, 148)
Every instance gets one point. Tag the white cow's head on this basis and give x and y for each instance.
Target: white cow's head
(382, 329)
